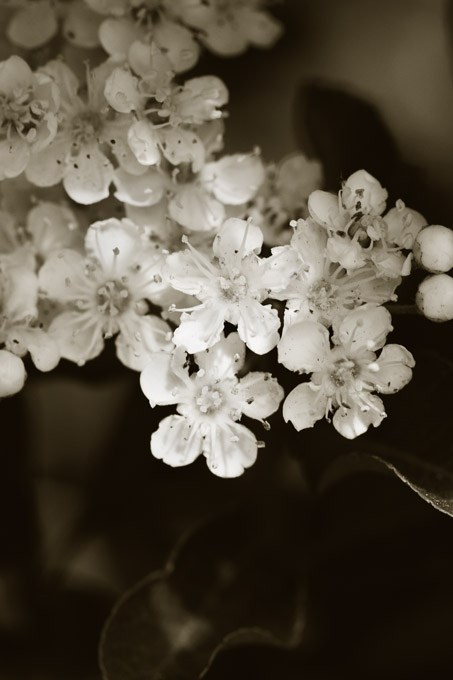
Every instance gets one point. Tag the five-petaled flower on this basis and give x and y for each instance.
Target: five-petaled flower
(209, 401)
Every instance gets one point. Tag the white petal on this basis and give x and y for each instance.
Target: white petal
(230, 450)
(258, 326)
(363, 193)
(62, 276)
(261, 28)
(15, 73)
(364, 327)
(178, 43)
(323, 208)
(352, 422)
(53, 227)
(304, 406)
(310, 240)
(116, 36)
(143, 141)
(182, 146)
(158, 381)
(199, 99)
(224, 359)
(142, 191)
(81, 25)
(12, 373)
(182, 272)
(200, 329)
(176, 442)
(47, 167)
(88, 176)
(234, 179)
(43, 348)
(116, 243)
(33, 26)
(260, 395)
(236, 239)
(65, 78)
(121, 91)
(140, 337)
(76, 341)
(14, 156)
(304, 347)
(395, 365)
(195, 209)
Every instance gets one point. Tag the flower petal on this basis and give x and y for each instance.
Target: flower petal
(143, 141)
(304, 347)
(142, 191)
(176, 442)
(237, 239)
(352, 422)
(158, 381)
(12, 373)
(260, 394)
(76, 341)
(88, 176)
(234, 179)
(258, 325)
(140, 337)
(224, 359)
(304, 406)
(230, 450)
(200, 329)
(14, 156)
(394, 365)
(367, 327)
(47, 167)
(62, 276)
(33, 26)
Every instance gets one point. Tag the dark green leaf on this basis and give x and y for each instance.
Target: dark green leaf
(234, 581)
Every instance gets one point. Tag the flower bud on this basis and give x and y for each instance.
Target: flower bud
(433, 249)
(435, 297)
(12, 373)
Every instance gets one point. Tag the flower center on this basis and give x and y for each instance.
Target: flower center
(234, 288)
(343, 373)
(321, 296)
(23, 113)
(112, 298)
(85, 127)
(209, 399)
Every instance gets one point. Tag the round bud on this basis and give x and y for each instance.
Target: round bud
(12, 373)
(433, 249)
(435, 297)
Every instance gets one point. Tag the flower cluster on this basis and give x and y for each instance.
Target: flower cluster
(121, 218)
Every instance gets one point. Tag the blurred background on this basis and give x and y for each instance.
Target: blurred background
(86, 511)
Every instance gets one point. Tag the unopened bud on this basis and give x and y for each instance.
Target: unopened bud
(435, 297)
(433, 249)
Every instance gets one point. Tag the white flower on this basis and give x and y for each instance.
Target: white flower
(77, 155)
(210, 401)
(344, 376)
(36, 23)
(228, 28)
(20, 330)
(105, 294)
(28, 122)
(231, 288)
(321, 290)
(145, 22)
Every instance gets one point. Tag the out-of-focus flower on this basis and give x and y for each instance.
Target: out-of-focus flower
(228, 28)
(345, 375)
(106, 294)
(78, 154)
(28, 122)
(209, 401)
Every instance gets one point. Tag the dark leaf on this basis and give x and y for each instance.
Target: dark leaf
(346, 133)
(234, 581)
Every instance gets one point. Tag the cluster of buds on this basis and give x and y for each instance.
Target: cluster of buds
(186, 257)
